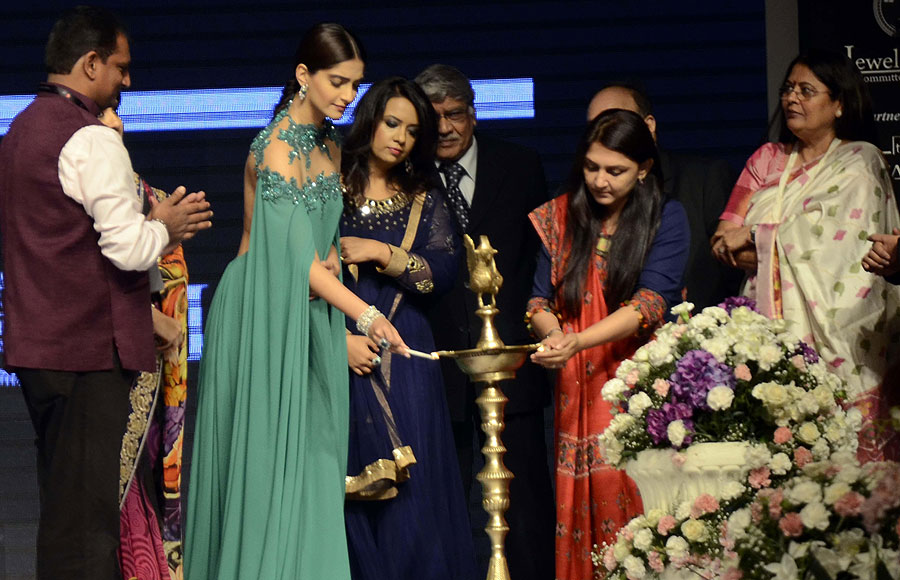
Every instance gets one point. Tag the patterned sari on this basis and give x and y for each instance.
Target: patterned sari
(813, 226)
(150, 547)
(593, 500)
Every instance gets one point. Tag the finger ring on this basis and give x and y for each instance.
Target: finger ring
(376, 360)
(385, 343)
(720, 250)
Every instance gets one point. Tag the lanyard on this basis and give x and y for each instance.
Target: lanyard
(63, 92)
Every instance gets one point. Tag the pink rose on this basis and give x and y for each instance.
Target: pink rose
(798, 362)
(774, 497)
(791, 525)
(704, 504)
(759, 477)
(733, 574)
(783, 435)
(666, 524)
(632, 377)
(742, 372)
(655, 561)
(609, 559)
(661, 386)
(849, 504)
(628, 534)
(802, 456)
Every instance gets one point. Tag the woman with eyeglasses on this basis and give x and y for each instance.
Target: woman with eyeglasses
(799, 221)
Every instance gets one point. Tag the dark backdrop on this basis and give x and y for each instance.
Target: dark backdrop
(703, 62)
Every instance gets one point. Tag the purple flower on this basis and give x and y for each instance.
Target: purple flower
(808, 352)
(695, 375)
(657, 425)
(736, 301)
(689, 427)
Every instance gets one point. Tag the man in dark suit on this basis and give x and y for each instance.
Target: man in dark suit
(491, 187)
(701, 185)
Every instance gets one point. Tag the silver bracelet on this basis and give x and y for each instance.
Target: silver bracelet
(365, 320)
(551, 331)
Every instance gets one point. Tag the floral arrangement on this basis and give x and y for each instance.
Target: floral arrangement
(835, 519)
(725, 374)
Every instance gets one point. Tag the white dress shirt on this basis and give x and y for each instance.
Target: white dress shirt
(95, 170)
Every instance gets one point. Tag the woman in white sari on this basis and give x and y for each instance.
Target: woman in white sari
(799, 221)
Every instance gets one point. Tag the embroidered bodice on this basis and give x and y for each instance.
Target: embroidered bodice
(315, 181)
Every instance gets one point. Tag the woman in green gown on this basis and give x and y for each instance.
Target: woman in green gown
(266, 491)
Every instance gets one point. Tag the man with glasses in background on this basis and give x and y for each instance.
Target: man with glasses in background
(491, 186)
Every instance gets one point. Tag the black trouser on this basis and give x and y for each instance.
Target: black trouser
(530, 543)
(79, 419)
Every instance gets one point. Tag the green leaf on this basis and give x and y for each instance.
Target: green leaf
(863, 235)
(817, 230)
(878, 191)
(833, 188)
(855, 267)
(876, 217)
(832, 210)
(839, 288)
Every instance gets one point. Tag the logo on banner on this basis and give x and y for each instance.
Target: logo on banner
(886, 14)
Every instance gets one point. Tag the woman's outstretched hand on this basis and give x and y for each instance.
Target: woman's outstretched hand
(385, 335)
(558, 349)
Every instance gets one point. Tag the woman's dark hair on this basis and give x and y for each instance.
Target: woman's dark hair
(845, 84)
(323, 46)
(624, 132)
(358, 144)
(79, 31)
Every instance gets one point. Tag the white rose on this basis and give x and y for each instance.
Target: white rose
(625, 367)
(719, 398)
(732, 489)
(643, 539)
(805, 491)
(815, 516)
(676, 547)
(718, 347)
(694, 530)
(738, 522)
(634, 567)
(848, 474)
(620, 423)
(835, 492)
(638, 404)
(676, 432)
(824, 397)
(820, 449)
(613, 389)
(757, 456)
(622, 549)
(703, 321)
(808, 433)
(654, 515)
(660, 353)
(853, 417)
(641, 354)
(769, 355)
(683, 308)
(780, 464)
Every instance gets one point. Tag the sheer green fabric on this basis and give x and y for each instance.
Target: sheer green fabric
(266, 491)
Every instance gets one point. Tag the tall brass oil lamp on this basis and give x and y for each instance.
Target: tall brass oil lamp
(490, 362)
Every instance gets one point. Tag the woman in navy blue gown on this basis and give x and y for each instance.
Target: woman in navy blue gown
(405, 512)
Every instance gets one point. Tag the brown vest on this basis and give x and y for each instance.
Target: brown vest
(66, 306)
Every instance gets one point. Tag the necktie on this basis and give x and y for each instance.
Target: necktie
(453, 173)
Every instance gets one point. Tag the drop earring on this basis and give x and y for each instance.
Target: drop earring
(301, 92)
(838, 113)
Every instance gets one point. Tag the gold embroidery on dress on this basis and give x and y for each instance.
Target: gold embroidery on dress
(143, 401)
(415, 264)
(425, 286)
(379, 479)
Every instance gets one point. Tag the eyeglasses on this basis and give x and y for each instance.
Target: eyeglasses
(804, 92)
(456, 116)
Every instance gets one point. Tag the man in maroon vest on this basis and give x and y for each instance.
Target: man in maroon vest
(76, 252)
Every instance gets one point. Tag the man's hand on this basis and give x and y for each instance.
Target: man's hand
(184, 215)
